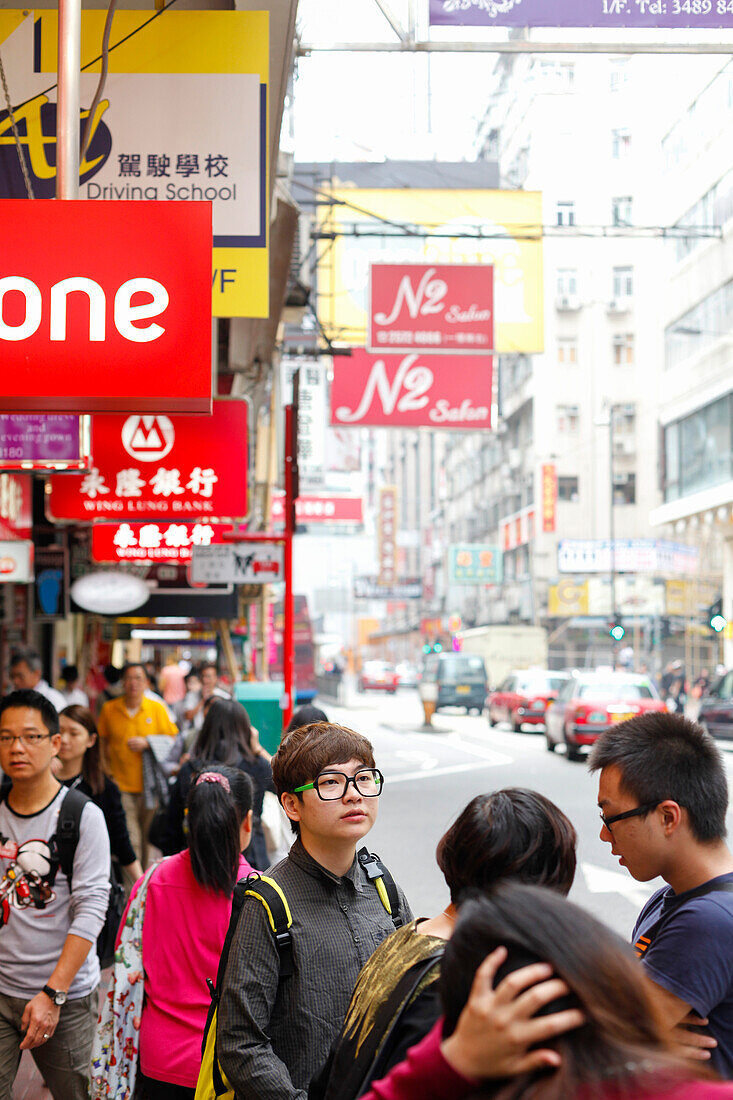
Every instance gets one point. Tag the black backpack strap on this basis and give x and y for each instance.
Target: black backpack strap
(385, 885)
(645, 941)
(66, 836)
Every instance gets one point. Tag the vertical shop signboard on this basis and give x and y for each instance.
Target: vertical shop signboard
(387, 535)
(549, 497)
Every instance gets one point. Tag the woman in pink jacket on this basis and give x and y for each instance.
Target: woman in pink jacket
(541, 1001)
(187, 910)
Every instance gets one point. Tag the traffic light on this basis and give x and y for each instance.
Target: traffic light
(427, 648)
(432, 647)
(717, 619)
(616, 631)
(437, 647)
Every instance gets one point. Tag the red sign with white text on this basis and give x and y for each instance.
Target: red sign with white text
(16, 506)
(412, 391)
(549, 496)
(158, 542)
(105, 306)
(432, 308)
(321, 509)
(151, 466)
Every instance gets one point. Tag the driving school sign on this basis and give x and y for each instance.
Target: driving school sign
(432, 308)
(146, 467)
(581, 13)
(415, 390)
(101, 304)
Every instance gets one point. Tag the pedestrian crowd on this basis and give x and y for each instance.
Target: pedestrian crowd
(306, 977)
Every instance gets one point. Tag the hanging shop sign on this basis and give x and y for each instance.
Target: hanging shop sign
(387, 536)
(500, 229)
(108, 593)
(581, 13)
(153, 542)
(238, 563)
(629, 556)
(321, 509)
(37, 442)
(369, 588)
(412, 391)
(153, 466)
(549, 496)
(518, 529)
(16, 506)
(474, 563)
(312, 418)
(105, 306)
(16, 561)
(51, 588)
(183, 118)
(431, 308)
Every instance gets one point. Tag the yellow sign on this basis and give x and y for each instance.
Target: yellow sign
(183, 117)
(503, 228)
(687, 598)
(568, 598)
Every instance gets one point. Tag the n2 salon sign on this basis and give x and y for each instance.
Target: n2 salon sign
(439, 307)
(412, 391)
(105, 306)
(151, 466)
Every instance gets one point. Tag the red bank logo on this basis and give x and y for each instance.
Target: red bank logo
(21, 317)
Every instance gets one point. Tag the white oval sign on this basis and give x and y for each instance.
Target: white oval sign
(109, 593)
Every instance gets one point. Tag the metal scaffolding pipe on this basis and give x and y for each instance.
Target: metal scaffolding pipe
(517, 47)
(68, 104)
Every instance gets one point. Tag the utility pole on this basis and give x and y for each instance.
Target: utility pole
(612, 529)
(68, 106)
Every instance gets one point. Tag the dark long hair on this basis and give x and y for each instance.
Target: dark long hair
(91, 765)
(215, 815)
(226, 734)
(622, 1044)
(512, 834)
(305, 716)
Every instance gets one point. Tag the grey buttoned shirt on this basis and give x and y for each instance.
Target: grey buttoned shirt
(274, 1034)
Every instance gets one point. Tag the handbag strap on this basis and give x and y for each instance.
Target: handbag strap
(645, 941)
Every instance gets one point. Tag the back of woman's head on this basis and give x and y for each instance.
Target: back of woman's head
(225, 735)
(510, 834)
(305, 716)
(621, 1039)
(218, 801)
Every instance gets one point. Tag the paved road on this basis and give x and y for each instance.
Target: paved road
(431, 775)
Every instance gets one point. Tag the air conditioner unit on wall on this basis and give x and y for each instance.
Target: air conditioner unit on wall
(619, 305)
(567, 302)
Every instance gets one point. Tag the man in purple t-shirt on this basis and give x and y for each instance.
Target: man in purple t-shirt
(663, 797)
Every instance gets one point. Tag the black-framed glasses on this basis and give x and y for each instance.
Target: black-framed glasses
(332, 785)
(638, 812)
(26, 739)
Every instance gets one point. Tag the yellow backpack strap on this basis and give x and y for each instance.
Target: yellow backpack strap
(269, 894)
(384, 884)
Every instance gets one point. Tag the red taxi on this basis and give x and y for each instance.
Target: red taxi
(523, 697)
(378, 676)
(590, 702)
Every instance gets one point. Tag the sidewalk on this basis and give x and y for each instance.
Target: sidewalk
(28, 1084)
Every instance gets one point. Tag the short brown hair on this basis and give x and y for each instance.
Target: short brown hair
(304, 753)
(512, 834)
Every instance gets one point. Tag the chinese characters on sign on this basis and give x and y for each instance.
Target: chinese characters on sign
(472, 563)
(549, 496)
(581, 13)
(16, 515)
(630, 556)
(312, 416)
(151, 466)
(387, 536)
(238, 563)
(435, 391)
(517, 530)
(443, 308)
(170, 542)
(320, 509)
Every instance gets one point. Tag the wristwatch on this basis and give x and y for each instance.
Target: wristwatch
(58, 996)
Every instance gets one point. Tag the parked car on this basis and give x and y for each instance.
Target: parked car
(460, 678)
(523, 697)
(408, 676)
(716, 707)
(590, 702)
(378, 676)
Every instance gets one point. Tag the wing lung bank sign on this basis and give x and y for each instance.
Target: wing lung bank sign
(101, 304)
(438, 308)
(413, 391)
(147, 467)
(184, 117)
(581, 13)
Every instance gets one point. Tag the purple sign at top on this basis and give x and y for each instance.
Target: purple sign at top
(40, 439)
(581, 13)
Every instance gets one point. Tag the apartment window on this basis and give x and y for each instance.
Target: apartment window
(621, 210)
(567, 351)
(568, 419)
(567, 489)
(624, 488)
(623, 282)
(567, 281)
(620, 143)
(623, 349)
(566, 213)
(619, 74)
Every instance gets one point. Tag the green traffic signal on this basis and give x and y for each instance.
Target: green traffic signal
(718, 623)
(617, 632)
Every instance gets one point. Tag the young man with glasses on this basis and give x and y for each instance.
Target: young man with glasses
(49, 970)
(663, 796)
(275, 1032)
